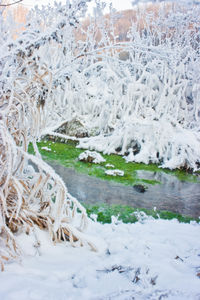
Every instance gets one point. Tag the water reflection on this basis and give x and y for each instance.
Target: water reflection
(172, 194)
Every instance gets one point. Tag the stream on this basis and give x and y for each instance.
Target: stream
(172, 194)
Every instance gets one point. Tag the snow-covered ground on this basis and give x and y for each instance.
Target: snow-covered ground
(152, 259)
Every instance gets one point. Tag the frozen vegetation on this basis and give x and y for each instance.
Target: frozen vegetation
(146, 108)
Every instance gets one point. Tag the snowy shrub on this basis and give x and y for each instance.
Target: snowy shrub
(31, 193)
(146, 107)
(149, 106)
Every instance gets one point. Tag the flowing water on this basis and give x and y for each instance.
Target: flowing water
(172, 194)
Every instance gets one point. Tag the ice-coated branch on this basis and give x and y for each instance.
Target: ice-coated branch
(31, 193)
(9, 4)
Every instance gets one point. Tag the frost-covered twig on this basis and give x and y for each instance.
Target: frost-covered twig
(9, 4)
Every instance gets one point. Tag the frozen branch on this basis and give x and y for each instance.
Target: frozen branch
(9, 4)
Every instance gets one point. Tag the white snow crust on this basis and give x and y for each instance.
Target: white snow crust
(151, 259)
(46, 148)
(97, 158)
(115, 172)
(109, 166)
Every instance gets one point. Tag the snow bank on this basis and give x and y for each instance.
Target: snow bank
(154, 260)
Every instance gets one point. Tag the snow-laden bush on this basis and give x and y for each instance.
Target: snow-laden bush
(31, 193)
(146, 107)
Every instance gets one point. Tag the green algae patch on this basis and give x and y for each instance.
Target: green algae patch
(67, 155)
(127, 214)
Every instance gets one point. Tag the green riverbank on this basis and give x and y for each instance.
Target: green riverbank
(128, 214)
(67, 155)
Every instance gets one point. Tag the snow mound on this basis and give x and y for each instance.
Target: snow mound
(46, 148)
(115, 172)
(109, 166)
(91, 156)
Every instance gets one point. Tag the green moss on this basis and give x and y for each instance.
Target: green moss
(67, 155)
(129, 214)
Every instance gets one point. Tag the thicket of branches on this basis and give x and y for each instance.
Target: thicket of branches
(150, 107)
(146, 106)
(30, 191)
(138, 98)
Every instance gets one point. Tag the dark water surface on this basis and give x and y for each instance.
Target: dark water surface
(172, 194)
